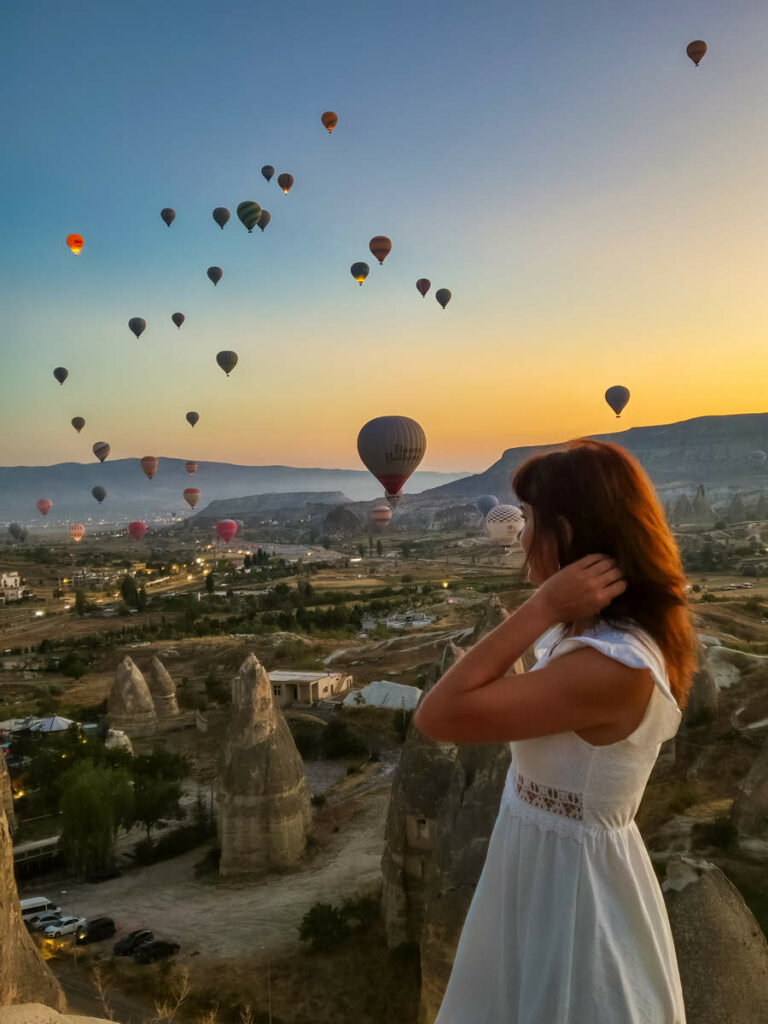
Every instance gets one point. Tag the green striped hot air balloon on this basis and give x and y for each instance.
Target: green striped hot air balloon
(249, 213)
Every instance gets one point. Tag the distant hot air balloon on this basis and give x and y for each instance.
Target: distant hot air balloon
(391, 447)
(44, 506)
(61, 374)
(192, 418)
(138, 325)
(504, 524)
(285, 181)
(192, 496)
(149, 465)
(443, 296)
(178, 318)
(77, 532)
(215, 274)
(168, 215)
(99, 493)
(423, 285)
(380, 516)
(75, 243)
(227, 360)
(101, 450)
(137, 529)
(267, 170)
(487, 502)
(248, 214)
(696, 50)
(360, 271)
(16, 531)
(380, 246)
(221, 216)
(191, 468)
(78, 423)
(758, 455)
(617, 397)
(330, 120)
(264, 219)
(226, 529)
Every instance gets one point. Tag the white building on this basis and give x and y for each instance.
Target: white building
(291, 686)
(383, 694)
(10, 586)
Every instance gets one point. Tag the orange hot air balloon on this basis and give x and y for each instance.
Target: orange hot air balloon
(192, 496)
(330, 120)
(191, 468)
(380, 516)
(380, 246)
(44, 506)
(696, 50)
(75, 243)
(77, 532)
(285, 181)
(149, 465)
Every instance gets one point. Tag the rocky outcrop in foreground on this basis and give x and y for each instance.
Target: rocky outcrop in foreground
(264, 812)
(37, 1013)
(6, 795)
(749, 813)
(163, 690)
(130, 706)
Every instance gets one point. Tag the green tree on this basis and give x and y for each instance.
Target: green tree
(96, 801)
(81, 604)
(141, 599)
(210, 583)
(361, 550)
(72, 665)
(128, 591)
(156, 787)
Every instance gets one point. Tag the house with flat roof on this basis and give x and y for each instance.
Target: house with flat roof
(292, 686)
(10, 587)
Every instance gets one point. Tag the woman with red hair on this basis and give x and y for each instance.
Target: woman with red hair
(567, 924)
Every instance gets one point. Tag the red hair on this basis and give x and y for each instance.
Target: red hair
(612, 509)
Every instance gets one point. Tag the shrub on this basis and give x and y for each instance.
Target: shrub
(323, 926)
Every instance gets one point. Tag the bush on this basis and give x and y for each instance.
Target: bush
(172, 844)
(324, 927)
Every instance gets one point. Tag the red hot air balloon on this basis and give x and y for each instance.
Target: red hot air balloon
(330, 120)
(192, 496)
(285, 181)
(191, 468)
(192, 418)
(149, 465)
(178, 318)
(75, 243)
(77, 532)
(391, 447)
(44, 506)
(101, 450)
(423, 286)
(226, 529)
(137, 529)
(380, 246)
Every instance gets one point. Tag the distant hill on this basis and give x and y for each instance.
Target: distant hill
(709, 450)
(132, 496)
(257, 507)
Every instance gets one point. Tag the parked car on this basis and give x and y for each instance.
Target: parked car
(96, 929)
(148, 952)
(128, 944)
(65, 926)
(38, 922)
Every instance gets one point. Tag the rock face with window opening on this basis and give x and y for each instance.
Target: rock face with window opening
(264, 811)
(130, 707)
(163, 690)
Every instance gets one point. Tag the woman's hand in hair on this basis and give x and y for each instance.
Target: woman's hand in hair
(581, 589)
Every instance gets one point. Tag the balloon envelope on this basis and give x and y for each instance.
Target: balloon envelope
(178, 318)
(423, 285)
(264, 219)
(138, 325)
(44, 506)
(168, 215)
(227, 361)
(226, 529)
(99, 493)
(75, 243)
(380, 516)
(137, 529)
(248, 213)
(391, 447)
(267, 170)
(16, 531)
(191, 468)
(215, 274)
(221, 216)
(61, 374)
(617, 397)
(487, 502)
(330, 120)
(285, 181)
(192, 418)
(78, 423)
(77, 532)
(443, 296)
(696, 50)
(360, 271)
(149, 465)
(192, 496)
(101, 450)
(380, 246)
(504, 524)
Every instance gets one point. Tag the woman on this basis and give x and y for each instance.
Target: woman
(567, 924)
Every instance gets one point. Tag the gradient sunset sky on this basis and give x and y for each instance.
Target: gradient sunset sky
(595, 203)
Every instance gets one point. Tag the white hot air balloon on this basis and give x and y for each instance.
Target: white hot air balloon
(504, 524)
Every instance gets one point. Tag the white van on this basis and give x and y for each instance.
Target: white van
(36, 905)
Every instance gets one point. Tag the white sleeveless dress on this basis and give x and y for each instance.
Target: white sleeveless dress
(567, 924)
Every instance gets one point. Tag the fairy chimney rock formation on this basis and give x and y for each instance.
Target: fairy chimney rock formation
(749, 813)
(702, 698)
(6, 796)
(130, 706)
(721, 952)
(163, 690)
(264, 812)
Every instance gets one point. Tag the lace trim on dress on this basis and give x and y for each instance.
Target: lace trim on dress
(517, 791)
(547, 798)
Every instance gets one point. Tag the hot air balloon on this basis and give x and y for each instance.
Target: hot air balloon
(221, 216)
(227, 361)
(75, 243)
(264, 219)
(248, 214)
(617, 397)
(99, 493)
(758, 456)
(215, 274)
(77, 532)
(504, 524)
(101, 450)
(78, 423)
(61, 374)
(149, 465)
(16, 531)
(443, 296)
(178, 318)
(192, 496)
(192, 418)
(226, 529)
(44, 506)
(137, 529)
(380, 246)
(285, 181)
(487, 502)
(267, 170)
(138, 325)
(696, 50)
(380, 516)
(391, 447)
(168, 215)
(191, 468)
(422, 286)
(330, 120)
(360, 271)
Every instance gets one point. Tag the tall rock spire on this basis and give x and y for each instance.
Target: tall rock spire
(163, 690)
(130, 706)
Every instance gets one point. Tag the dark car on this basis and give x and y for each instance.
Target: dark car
(148, 952)
(129, 943)
(96, 930)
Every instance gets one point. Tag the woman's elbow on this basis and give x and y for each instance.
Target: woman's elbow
(429, 724)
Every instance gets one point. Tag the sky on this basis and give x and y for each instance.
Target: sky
(595, 203)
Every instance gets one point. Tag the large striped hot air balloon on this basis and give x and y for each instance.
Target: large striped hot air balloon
(77, 532)
(391, 447)
(75, 243)
(191, 468)
(192, 496)
(137, 529)
(330, 120)
(380, 516)
(44, 506)
(101, 450)
(285, 181)
(504, 524)
(248, 214)
(78, 423)
(149, 465)
(226, 529)
(380, 246)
